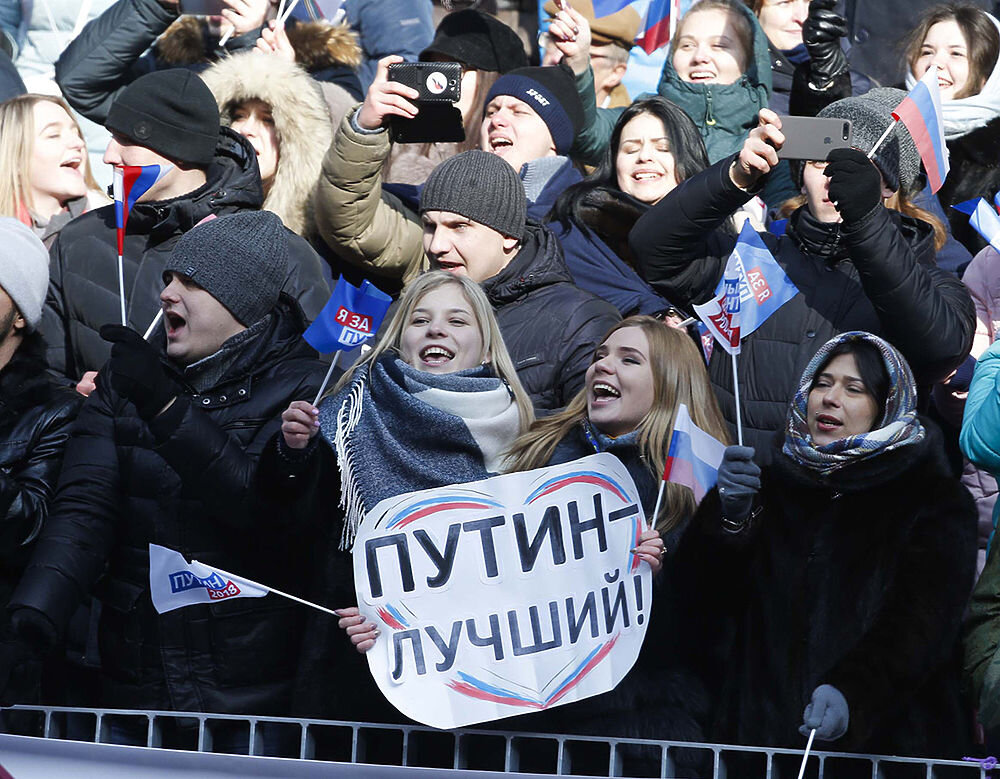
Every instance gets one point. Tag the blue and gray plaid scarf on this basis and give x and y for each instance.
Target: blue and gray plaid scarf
(899, 425)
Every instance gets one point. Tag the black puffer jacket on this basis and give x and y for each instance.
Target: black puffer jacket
(83, 288)
(184, 482)
(551, 326)
(35, 420)
(858, 580)
(876, 275)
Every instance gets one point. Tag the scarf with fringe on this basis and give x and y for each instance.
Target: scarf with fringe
(395, 429)
(899, 425)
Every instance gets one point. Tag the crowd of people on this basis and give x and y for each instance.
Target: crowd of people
(155, 386)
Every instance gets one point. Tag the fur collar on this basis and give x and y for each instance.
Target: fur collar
(317, 44)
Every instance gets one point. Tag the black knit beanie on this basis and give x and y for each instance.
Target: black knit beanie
(241, 260)
(171, 112)
(479, 186)
(478, 40)
(551, 92)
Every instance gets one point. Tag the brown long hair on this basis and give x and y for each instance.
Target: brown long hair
(982, 41)
(17, 144)
(679, 376)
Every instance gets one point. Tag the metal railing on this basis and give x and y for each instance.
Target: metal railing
(471, 749)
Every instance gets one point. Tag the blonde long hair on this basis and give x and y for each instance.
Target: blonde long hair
(679, 376)
(17, 144)
(494, 349)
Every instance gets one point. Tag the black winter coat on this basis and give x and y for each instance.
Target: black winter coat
(83, 287)
(36, 416)
(877, 275)
(858, 580)
(974, 172)
(185, 482)
(551, 326)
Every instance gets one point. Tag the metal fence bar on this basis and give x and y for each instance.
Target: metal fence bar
(304, 737)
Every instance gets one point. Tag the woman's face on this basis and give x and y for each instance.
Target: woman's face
(644, 164)
(708, 49)
(252, 119)
(839, 405)
(620, 382)
(442, 334)
(782, 22)
(946, 47)
(58, 157)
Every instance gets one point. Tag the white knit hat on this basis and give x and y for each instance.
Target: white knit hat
(24, 269)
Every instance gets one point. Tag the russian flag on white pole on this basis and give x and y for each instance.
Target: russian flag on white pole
(129, 184)
(920, 111)
(694, 456)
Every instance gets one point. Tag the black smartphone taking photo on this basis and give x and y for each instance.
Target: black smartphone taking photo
(439, 87)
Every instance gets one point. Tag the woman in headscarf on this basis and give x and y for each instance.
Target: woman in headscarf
(844, 567)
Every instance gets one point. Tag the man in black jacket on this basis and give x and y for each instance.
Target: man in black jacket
(35, 416)
(167, 118)
(164, 452)
(858, 265)
(473, 210)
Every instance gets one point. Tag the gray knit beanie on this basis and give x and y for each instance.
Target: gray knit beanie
(241, 260)
(897, 158)
(24, 269)
(480, 186)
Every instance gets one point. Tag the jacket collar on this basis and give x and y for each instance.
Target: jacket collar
(538, 263)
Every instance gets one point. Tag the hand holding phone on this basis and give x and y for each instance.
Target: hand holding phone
(386, 98)
(438, 86)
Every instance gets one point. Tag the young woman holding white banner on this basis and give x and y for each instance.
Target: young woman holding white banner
(842, 570)
(437, 401)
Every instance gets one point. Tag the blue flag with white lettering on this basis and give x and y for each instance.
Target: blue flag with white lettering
(350, 317)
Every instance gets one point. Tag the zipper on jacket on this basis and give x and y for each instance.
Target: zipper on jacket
(709, 113)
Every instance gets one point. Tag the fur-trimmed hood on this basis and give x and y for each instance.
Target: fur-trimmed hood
(317, 44)
(301, 119)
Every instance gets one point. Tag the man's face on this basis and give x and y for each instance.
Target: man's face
(455, 243)
(12, 324)
(123, 151)
(511, 129)
(196, 323)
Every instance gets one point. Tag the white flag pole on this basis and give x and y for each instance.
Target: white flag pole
(121, 290)
(805, 757)
(881, 140)
(283, 17)
(152, 325)
(736, 390)
(656, 510)
(326, 380)
(269, 589)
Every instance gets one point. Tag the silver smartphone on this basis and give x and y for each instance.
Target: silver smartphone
(813, 137)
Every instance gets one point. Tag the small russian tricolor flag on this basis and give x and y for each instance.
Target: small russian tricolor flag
(920, 111)
(130, 183)
(694, 456)
(656, 29)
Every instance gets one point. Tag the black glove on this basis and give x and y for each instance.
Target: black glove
(827, 714)
(738, 482)
(821, 33)
(135, 371)
(855, 183)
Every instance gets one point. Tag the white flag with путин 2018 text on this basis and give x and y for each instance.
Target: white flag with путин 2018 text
(174, 582)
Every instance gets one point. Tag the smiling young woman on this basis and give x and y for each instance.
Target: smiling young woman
(45, 177)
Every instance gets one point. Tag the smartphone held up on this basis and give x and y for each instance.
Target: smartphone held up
(439, 88)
